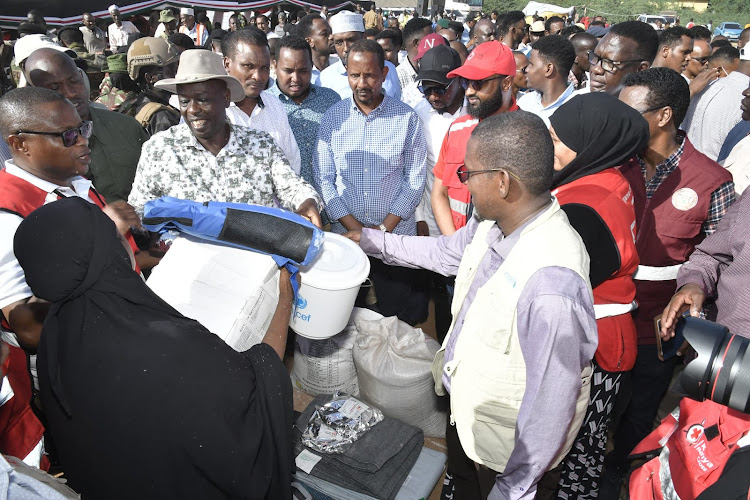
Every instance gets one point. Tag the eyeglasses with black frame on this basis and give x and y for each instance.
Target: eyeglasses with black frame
(463, 174)
(438, 90)
(608, 65)
(478, 84)
(653, 108)
(69, 137)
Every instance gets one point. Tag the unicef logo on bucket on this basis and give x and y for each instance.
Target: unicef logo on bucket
(301, 302)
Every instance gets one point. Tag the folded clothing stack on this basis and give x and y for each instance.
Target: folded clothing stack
(376, 464)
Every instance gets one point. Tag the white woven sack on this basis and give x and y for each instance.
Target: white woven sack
(394, 363)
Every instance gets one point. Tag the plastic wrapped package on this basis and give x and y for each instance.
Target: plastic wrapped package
(334, 426)
(394, 370)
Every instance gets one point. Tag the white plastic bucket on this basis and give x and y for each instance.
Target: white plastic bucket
(329, 288)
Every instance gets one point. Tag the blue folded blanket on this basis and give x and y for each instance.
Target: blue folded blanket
(290, 239)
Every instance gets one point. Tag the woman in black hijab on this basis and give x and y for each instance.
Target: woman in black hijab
(143, 403)
(593, 134)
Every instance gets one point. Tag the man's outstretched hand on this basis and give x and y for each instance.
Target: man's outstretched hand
(689, 296)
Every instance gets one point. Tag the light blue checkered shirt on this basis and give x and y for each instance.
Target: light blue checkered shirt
(304, 119)
(371, 165)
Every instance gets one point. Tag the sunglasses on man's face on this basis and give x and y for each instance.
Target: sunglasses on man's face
(69, 137)
(478, 84)
(438, 90)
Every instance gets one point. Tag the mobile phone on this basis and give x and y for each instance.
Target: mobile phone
(667, 349)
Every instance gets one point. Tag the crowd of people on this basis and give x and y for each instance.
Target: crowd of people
(551, 187)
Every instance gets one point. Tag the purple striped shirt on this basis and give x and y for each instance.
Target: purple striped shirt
(721, 266)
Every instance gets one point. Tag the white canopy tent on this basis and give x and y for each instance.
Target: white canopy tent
(540, 8)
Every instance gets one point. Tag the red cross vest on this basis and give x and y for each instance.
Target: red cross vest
(669, 227)
(609, 194)
(20, 429)
(451, 157)
(690, 449)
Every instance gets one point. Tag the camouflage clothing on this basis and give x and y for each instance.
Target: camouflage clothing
(111, 96)
(249, 169)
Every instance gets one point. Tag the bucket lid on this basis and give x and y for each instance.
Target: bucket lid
(339, 265)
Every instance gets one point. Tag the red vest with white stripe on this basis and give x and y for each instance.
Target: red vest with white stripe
(20, 429)
(452, 154)
(697, 439)
(451, 157)
(610, 195)
(669, 227)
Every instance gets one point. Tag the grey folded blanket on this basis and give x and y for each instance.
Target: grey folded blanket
(376, 464)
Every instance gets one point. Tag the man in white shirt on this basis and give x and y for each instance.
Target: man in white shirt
(119, 31)
(197, 32)
(248, 58)
(444, 102)
(550, 61)
(346, 28)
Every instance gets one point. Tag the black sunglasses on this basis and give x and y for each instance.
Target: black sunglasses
(478, 84)
(438, 90)
(69, 137)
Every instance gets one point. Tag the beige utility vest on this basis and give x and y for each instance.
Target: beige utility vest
(488, 372)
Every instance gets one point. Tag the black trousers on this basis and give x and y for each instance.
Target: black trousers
(649, 382)
(400, 291)
(474, 482)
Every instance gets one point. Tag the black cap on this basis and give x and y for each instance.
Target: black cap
(437, 62)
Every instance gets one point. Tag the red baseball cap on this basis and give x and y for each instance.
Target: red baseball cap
(428, 42)
(487, 59)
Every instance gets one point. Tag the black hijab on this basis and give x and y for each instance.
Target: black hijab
(603, 131)
(141, 401)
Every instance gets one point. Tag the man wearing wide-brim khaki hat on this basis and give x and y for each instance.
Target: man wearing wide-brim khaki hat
(208, 159)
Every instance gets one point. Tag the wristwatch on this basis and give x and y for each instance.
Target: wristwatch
(383, 228)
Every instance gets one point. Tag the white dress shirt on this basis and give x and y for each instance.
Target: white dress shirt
(119, 35)
(269, 116)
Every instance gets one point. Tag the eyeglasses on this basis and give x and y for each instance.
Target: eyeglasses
(654, 108)
(435, 89)
(608, 65)
(463, 174)
(478, 84)
(702, 60)
(70, 136)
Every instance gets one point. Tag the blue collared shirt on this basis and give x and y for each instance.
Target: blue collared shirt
(335, 78)
(304, 120)
(371, 165)
(532, 102)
